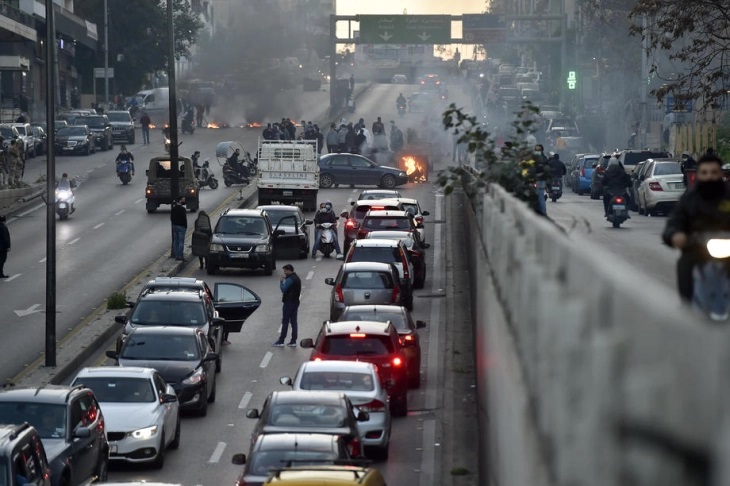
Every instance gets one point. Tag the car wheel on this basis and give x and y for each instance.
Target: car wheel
(269, 267)
(203, 410)
(102, 471)
(219, 362)
(399, 408)
(159, 460)
(176, 441)
(388, 181)
(326, 181)
(211, 398)
(210, 268)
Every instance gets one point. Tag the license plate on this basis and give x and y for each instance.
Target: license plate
(113, 448)
(619, 208)
(556, 188)
(239, 255)
(68, 148)
(678, 186)
(287, 193)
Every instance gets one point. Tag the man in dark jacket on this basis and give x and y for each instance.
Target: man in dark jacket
(378, 127)
(704, 208)
(179, 220)
(325, 215)
(4, 246)
(615, 181)
(350, 138)
(688, 163)
(557, 167)
(541, 175)
(291, 289)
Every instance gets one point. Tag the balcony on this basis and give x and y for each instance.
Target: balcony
(15, 24)
(66, 21)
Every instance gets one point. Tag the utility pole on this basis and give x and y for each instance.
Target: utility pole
(174, 168)
(644, 82)
(333, 61)
(50, 341)
(106, 56)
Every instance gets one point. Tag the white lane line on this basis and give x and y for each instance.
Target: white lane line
(354, 190)
(244, 401)
(428, 458)
(73, 242)
(119, 212)
(139, 200)
(98, 225)
(34, 208)
(310, 275)
(217, 453)
(267, 358)
(43, 260)
(13, 277)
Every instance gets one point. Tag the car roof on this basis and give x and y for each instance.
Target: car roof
(376, 243)
(406, 200)
(176, 282)
(304, 396)
(367, 266)
(243, 212)
(289, 442)
(42, 394)
(279, 207)
(388, 214)
(116, 371)
(372, 202)
(165, 330)
(367, 327)
(177, 295)
(337, 365)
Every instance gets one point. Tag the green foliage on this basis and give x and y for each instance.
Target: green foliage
(512, 166)
(117, 300)
(723, 139)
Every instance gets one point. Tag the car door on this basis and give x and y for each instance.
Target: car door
(235, 303)
(209, 366)
(287, 245)
(169, 410)
(84, 451)
(339, 167)
(363, 171)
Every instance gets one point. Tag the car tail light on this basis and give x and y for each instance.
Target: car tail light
(397, 362)
(600, 169)
(339, 297)
(317, 359)
(405, 338)
(354, 447)
(396, 295)
(419, 219)
(351, 224)
(582, 171)
(655, 186)
(373, 406)
(619, 200)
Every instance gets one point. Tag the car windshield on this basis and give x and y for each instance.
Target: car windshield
(89, 121)
(264, 461)
(667, 168)
(6, 132)
(119, 117)
(48, 419)
(21, 130)
(362, 345)
(276, 216)
(384, 254)
(386, 223)
(71, 131)
(241, 225)
(396, 318)
(161, 348)
(168, 313)
(119, 390)
(589, 162)
(307, 415)
(367, 280)
(336, 380)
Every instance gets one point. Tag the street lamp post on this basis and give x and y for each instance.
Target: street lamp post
(50, 337)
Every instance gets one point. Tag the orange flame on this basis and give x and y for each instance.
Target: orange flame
(213, 125)
(415, 170)
(152, 125)
(254, 125)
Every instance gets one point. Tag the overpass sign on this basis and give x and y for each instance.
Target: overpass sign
(405, 29)
(483, 28)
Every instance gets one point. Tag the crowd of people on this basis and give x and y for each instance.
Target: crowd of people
(12, 164)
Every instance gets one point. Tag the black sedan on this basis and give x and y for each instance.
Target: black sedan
(294, 242)
(182, 356)
(75, 139)
(353, 169)
(41, 139)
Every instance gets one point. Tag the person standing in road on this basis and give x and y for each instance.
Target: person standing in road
(202, 234)
(145, 122)
(331, 139)
(291, 289)
(4, 246)
(179, 220)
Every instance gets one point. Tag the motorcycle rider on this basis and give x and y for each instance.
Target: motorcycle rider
(238, 166)
(65, 184)
(703, 208)
(615, 181)
(688, 163)
(325, 215)
(541, 166)
(401, 101)
(187, 122)
(124, 157)
(557, 167)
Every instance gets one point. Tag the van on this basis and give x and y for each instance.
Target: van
(154, 101)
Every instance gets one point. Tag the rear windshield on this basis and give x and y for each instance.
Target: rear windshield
(21, 129)
(90, 121)
(389, 223)
(588, 163)
(276, 216)
(307, 415)
(368, 345)
(119, 117)
(667, 168)
(367, 280)
(361, 211)
(395, 318)
(383, 254)
(171, 313)
(265, 461)
(337, 380)
(633, 158)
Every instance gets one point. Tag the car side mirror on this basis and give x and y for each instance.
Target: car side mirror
(252, 413)
(112, 355)
(168, 398)
(307, 343)
(130, 304)
(239, 459)
(420, 324)
(363, 416)
(120, 319)
(426, 245)
(82, 433)
(219, 321)
(329, 281)
(308, 221)
(210, 357)
(343, 214)
(425, 213)
(285, 380)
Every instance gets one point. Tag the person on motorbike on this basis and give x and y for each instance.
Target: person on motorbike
(401, 101)
(66, 184)
(615, 181)
(325, 215)
(196, 166)
(124, 157)
(237, 165)
(557, 167)
(688, 163)
(701, 209)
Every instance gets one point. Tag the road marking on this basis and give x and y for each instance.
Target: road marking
(218, 452)
(139, 200)
(310, 275)
(438, 285)
(244, 401)
(72, 242)
(34, 208)
(267, 358)
(98, 225)
(13, 277)
(30, 310)
(43, 260)
(428, 458)
(119, 212)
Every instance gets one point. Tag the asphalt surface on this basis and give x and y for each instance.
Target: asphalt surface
(110, 238)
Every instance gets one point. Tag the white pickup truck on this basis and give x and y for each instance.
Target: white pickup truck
(288, 173)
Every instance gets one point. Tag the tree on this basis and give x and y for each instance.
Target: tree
(137, 32)
(695, 37)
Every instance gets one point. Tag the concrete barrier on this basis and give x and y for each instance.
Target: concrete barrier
(588, 372)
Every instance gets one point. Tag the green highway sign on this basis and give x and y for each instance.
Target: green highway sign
(405, 29)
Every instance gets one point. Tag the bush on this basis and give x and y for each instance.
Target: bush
(118, 300)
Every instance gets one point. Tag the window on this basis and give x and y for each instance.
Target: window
(370, 345)
(308, 415)
(367, 280)
(48, 419)
(359, 162)
(339, 161)
(667, 168)
(337, 381)
(382, 254)
(120, 390)
(235, 293)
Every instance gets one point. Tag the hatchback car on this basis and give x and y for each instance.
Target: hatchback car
(71, 425)
(356, 214)
(181, 355)
(293, 242)
(353, 169)
(372, 342)
(361, 383)
(416, 251)
(275, 451)
(407, 328)
(141, 411)
(386, 251)
(75, 139)
(364, 283)
(22, 455)
(582, 173)
(306, 412)
(387, 221)
(661, 187)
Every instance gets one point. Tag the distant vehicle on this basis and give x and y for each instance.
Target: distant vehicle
(157, 191)
(75, 139)
(582, 173)
(293, 242)
(122, 126)
(156, 102)
(629, 158)
(288, 173)
(352, 169)
(355, 216)
(370, 194)
(399, 79)
(661, 186)
(100, 127)
(364, 283)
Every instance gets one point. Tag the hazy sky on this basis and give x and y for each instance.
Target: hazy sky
(414, 7)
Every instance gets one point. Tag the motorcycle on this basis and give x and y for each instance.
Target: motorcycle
(64, 203)
(401, 107)
(556, 189)
(233, 175)
(124, 172)
(327, 240)
(252, 164)
(617, 210)
(711, 277)
(206, 177)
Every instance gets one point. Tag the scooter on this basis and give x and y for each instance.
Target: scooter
(205, 176)
(711, 276)
(401, 109)
(556, 189)
(252, 164)
(124, 172)
(231, 175)
(64, 203)
(617, 210)
(327, 240)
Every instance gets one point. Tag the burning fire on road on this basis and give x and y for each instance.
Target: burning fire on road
(254, 125)
(215, 125)
(416, 169)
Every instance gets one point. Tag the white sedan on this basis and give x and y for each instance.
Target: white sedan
(660, 187)
(141, 412)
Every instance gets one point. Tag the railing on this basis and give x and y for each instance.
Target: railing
(7, 10)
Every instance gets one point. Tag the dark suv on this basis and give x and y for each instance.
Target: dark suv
(629, 158)
(243, 238)
(100, 127)
(122, 126)
(70, 424)
(22, 454)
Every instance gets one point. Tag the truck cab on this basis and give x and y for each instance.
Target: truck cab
(288, 173)
(159, 177)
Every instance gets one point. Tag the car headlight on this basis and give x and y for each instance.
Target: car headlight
(145, 433)
(63, 195)
(262, 248)
(195, 378)
(216, 247)
(401, 174)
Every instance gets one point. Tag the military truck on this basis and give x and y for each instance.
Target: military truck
(159, 176)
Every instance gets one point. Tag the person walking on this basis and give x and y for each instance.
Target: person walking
(291, 289)
(4, 246)
(145, 122)
(202, 234)
(179, 220)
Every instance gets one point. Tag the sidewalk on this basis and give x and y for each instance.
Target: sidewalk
(15, 200)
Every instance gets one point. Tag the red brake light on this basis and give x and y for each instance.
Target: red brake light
(396, 294)
(619, 200)
(397, 362)
(317, 359)
(357, 335)
(354, 446)
(655, 186)
(372, 406)
(582, 171)
(350, 224)
(377, 208)
(339, 297)
(419, 219)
